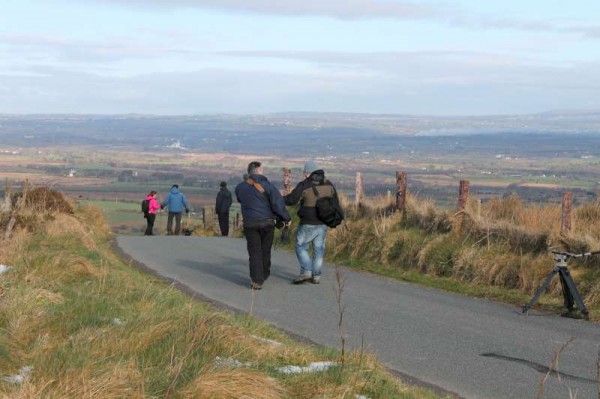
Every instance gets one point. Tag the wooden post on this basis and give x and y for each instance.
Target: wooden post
(401, 183)
(463, 199)
(287, 181)
(567, 207)
(358, 189)
(479, 208)
(463, 195)
(6, 206)
(204, 218)
(237, 221)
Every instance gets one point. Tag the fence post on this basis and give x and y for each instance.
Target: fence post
(567, 207)
(479, 208)
(358, 189)
(401, 183)
(204, 218)
(237, 221)
(463, 199)
(287, 181)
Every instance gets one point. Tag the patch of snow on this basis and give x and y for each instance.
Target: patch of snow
(230, 362)
(4, 268)
(315, 366)
(19, 378)
(118, 322)
(269, 341)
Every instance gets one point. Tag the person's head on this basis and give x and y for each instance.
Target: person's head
(175, 186)
(153, 193)
(223, 184)
(309, 167)
(255, 167)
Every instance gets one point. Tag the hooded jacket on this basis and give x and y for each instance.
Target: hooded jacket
(176, 201)
(153, 205)
(256, 206)
(304, 194)
(223, 201)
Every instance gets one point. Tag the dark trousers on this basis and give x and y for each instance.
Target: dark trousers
(259, 240)
(150, 218)
(224, 223)
(177, 216)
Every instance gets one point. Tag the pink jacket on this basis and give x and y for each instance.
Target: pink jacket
(153, 205)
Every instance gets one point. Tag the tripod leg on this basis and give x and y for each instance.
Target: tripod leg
(571, 293)
(539, 291)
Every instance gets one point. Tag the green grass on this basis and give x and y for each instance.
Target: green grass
(90, 325)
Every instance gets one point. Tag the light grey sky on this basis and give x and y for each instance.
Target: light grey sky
(461, 57)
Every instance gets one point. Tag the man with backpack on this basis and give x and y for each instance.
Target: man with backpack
(261, 204)
(176, 202)
(319, 209)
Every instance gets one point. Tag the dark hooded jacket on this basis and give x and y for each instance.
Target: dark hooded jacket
(256, 206)
(304, 194)
(223, 201)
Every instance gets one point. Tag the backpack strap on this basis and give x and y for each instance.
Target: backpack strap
(256, 185)
(315, 191)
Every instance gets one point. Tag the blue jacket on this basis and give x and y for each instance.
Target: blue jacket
(176, 201)
(256, 206)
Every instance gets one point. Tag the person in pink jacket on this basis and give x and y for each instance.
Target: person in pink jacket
(153, 207)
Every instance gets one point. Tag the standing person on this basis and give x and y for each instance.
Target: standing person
(222, 208)
(153, 207)
(176, 202)
(261, 204)
(311, 231)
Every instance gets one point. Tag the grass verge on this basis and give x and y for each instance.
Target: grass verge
(76, 321)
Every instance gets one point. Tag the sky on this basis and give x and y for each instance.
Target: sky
(183, 57)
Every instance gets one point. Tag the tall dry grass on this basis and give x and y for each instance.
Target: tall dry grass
(505, 243)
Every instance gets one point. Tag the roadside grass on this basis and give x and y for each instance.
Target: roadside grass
(91, 326)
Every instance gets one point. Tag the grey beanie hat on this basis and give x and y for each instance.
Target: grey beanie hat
(310, 166)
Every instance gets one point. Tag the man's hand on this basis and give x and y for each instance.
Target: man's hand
(288, 223)
(187, 211)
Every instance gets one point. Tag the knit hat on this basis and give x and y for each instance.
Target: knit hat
(310, 166)
(223, 184)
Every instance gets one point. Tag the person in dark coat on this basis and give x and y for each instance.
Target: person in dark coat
(176, 202)
(261, 205)
(222, 208)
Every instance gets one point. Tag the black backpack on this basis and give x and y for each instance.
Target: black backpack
(328, 209)
(145, 207)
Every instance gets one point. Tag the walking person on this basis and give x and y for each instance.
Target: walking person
(222, 208)
(261, 205)
(177, 203)
(312, 231)
(153, 207)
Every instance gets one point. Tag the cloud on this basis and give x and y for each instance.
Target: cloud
(343, 9)
(403, 83)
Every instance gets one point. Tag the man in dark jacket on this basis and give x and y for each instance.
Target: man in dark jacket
(311, 230)
(261, 204)
(176, 202)
(222, 208)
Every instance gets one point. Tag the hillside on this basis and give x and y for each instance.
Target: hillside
(77, 322)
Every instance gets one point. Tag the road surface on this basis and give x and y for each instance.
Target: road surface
(473, 348)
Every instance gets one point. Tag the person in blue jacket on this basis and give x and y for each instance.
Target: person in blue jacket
(261, 205)
(177, 203)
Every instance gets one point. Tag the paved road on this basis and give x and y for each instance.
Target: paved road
(471, 347)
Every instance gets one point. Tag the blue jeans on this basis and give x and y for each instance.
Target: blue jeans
(315, 235)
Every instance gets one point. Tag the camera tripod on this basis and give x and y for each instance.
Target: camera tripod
(570, 294)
